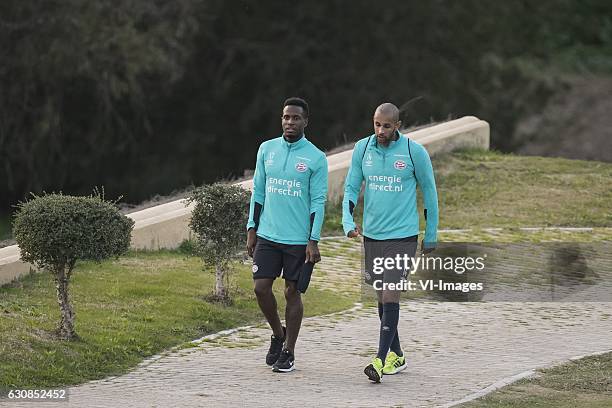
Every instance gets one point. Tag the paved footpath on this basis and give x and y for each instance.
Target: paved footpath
(453, 350)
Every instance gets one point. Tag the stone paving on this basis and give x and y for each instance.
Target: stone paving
(453, 350)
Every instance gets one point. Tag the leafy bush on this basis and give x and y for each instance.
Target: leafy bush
(188, 247)
(218, 221)
(54, 231)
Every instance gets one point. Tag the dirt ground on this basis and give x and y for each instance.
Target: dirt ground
(576, 123)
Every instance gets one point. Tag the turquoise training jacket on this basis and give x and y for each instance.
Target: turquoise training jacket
(391, 176)
(289, 191)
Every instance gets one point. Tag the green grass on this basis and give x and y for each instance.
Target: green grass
(332, 225)
(126, 310)
(582, 383)
(479, 189)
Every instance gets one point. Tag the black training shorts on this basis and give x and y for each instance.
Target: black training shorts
(270, 258)
(389, 248)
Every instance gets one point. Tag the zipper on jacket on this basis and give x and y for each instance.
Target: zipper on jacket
(287, 157)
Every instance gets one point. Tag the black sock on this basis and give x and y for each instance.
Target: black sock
(388, 328)
(395, 344)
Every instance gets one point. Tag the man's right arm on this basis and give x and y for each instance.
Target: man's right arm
(352, 187)
(258, 197)
(427, 183)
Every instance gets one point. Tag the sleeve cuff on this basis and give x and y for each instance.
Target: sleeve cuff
(429, 244)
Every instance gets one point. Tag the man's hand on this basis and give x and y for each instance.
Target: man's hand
(425, 251)
(312, 252)
(251, 241)
(354, 233)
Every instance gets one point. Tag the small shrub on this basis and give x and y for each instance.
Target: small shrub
(188, 247)
(54, 231)
(218, 221)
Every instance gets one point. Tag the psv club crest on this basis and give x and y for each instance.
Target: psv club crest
(399, 164)
(301, 167)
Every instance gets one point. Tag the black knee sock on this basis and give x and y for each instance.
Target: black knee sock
(395, 344)
(388, 328)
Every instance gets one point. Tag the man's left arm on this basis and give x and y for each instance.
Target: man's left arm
(427, 183)
(318, 197)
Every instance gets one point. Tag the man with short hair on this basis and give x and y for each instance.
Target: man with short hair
(285, 220)
(392, 166)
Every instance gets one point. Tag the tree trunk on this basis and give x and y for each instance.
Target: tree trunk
(66, 325)
(220, 289)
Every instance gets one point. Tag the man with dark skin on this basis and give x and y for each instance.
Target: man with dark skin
(285, 220)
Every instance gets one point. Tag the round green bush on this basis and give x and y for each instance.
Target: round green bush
(55, 230)
(218, 219)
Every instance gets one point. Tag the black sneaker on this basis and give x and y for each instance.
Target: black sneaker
(285, 363)
(276, 346)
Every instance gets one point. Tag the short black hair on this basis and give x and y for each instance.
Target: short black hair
(295, 101)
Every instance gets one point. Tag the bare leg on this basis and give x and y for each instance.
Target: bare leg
(293, 314)
(267, 304)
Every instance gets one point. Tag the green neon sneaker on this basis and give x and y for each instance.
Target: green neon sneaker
(374, 370)
(394, 364)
